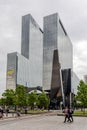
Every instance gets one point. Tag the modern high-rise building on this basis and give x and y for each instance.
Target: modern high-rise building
(31, 58)
(32, 48)
(46, 58)
(57, 58)
(17, 70)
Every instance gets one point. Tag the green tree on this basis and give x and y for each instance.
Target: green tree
(21, 96)
(8, 97)
(82, 93)
(32, 99)
(43, 100)
(2, 101)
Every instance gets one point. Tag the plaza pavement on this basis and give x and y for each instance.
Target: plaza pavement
(48, 121)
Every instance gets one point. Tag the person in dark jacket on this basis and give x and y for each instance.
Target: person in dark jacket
(1, 113)
(70, 118)
(68, 115)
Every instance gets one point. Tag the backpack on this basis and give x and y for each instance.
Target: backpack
(71, 111)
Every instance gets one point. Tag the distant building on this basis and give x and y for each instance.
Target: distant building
(75, 83)
(17, 70)
(85, 78)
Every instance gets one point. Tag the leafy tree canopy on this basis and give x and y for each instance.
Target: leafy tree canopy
(8, 97)
(82, 93)
(21, 95)
(32, 99)
(43, 100)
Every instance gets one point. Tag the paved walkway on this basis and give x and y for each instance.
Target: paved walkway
(44, 122)
(10, 115)
(14, 116)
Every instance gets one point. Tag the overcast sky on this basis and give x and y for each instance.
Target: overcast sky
(73, 14)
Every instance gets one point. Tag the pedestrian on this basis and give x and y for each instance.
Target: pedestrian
(1, 113)
(67, 114)
(18, 114)
(70, 118)
(7, 111)
(25, 110)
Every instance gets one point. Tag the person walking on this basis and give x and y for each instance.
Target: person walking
(70, 118)
(1, 113)
(67, 114)
(7, 111)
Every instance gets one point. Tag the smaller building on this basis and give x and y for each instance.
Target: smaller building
(17, 71)
(85, 78)
(75, 83)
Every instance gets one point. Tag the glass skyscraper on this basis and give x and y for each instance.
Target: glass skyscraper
(46, 58)
(32, 52)
(32, 48)
(57, 58)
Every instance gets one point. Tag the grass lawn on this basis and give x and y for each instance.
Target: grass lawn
(32, 111)
(36, 111)
(82, 113)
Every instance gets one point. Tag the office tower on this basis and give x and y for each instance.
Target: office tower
(26, 69)
(17, 70)
(46, 58)
(57, 58)
(32, 49)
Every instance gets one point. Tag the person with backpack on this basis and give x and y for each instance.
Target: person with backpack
(67, 114)
(70, 117)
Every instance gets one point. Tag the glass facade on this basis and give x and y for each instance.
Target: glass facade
(11, 71)
(17, 70)
(25, 36)
(64, 47)
(49, 45)
(75, 82)
(56, 43)
(46, 58)
(22, 70)
(32, 48)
